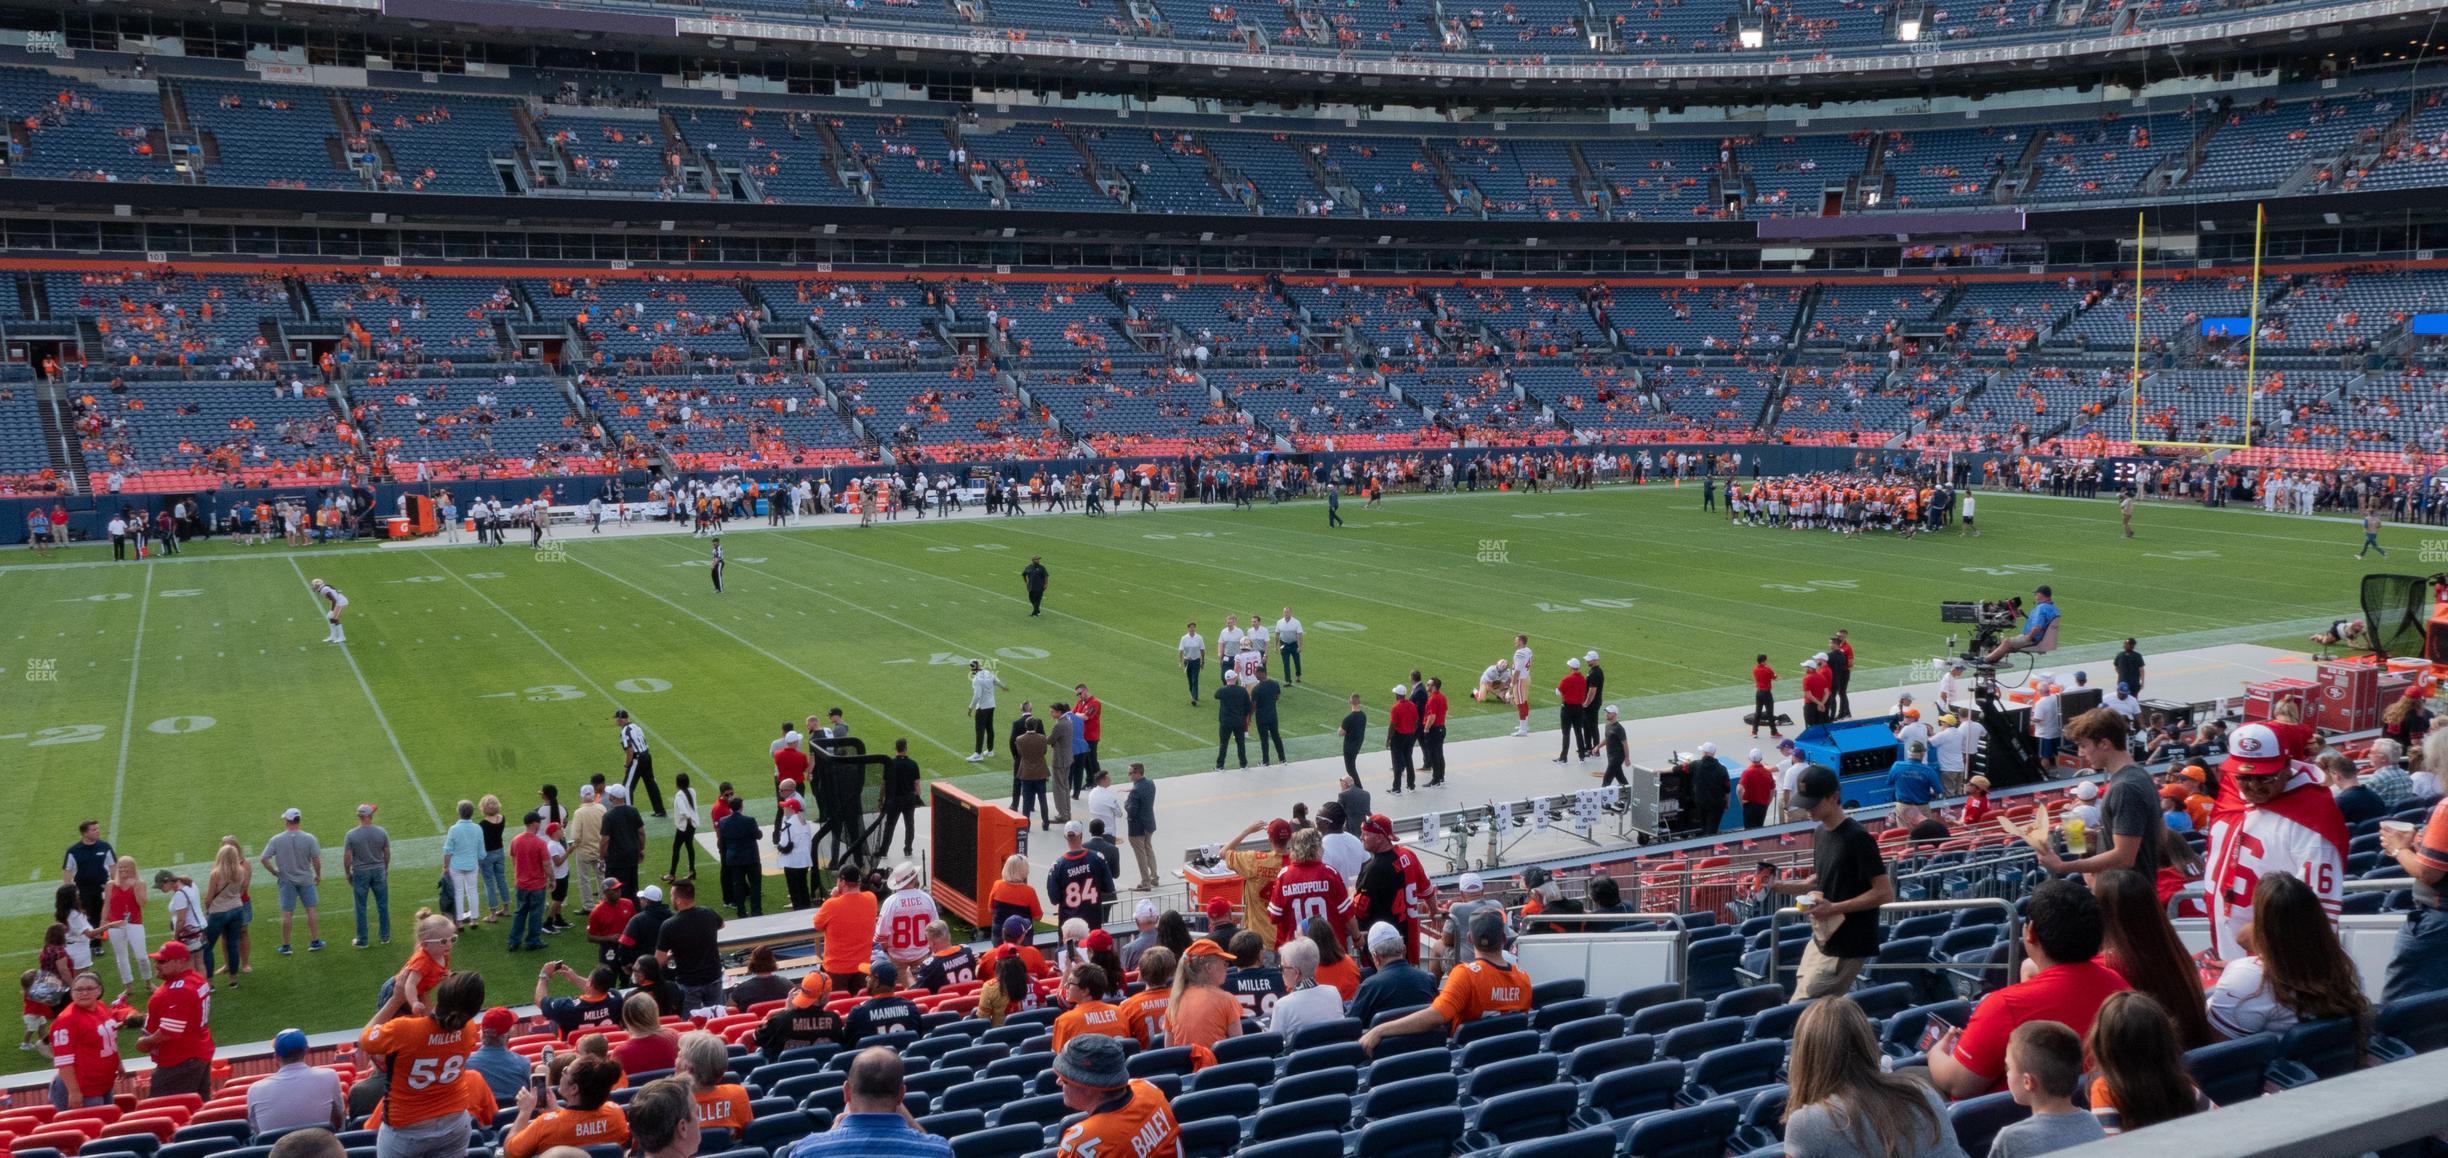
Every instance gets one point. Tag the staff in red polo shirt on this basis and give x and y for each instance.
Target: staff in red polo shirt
(1402, 731)
(1763, 698)
(1091, 713)
(178, 1033)
(1817, 686)
(1572, 692)
(790, 760)
(1432, 732)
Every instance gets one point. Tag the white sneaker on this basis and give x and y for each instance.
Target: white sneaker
(1522, 730)
(975, 757)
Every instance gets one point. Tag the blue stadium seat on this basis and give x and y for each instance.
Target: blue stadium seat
(1589, 1061)
(1025, 1065)
(1504, 1077)
(1775, 1023)
(980, 1094)
(1265, 1045)
(2315, 1050)
(953, 1123)
(1487, 1027)
(1920, 925)
(1688, 1042)
(1323, 1033)
(716, 1139)
(1630, 1093)
(1699, 1132)
(140, 1145)
(974, 1056)
(1316, 1144)
(1286, 1119)
(1343, 1080)
(827, 1100)
(1001, 1142)
(780, 1130)
(1436, 1043)
(1041, 1111)
(1521, 1116)
(1404, 1066)
(1545, 993)
(1902, 1035)
(1745, 1002)
(1671, 1015)
(1231, 1101)
(2420, 1022)
(1978, 1120)
(1595, 1142)
(934, 1082)
(1572, 1035)
(1734, 1067)
(1425, 1134)
(1489, 1050)
(1564, 1009)
(743, 1152)
(1210, 1137)
(221, 1135)
(1325, 1057)
(1395, 1099)
(1170, 1060)
(1708, 966)
(1631, 1002)
(2229, 1072)
(1010, 1033)
(1763, 1121)
(1255, 1071)
(798, 1086)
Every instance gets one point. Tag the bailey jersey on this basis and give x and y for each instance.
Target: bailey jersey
(2300, 832)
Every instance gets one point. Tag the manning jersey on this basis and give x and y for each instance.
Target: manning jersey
(950, 967)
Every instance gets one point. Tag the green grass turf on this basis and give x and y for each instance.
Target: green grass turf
(492, 670)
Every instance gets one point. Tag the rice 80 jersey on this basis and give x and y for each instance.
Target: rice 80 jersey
(901, 926)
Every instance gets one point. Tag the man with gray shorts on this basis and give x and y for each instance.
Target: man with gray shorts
(295, 859)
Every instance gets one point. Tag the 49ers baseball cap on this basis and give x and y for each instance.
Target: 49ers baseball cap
(1379, 824)
(2254, 750)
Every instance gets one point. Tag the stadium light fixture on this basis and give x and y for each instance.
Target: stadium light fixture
(1751, 36)
(1908, 29)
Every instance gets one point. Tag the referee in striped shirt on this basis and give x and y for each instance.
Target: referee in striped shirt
(637, 762)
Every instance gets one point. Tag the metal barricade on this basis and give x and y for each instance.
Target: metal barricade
(1610, 960)
(2007, 877)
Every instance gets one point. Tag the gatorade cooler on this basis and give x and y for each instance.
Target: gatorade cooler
(1216, 884)
(2349, 698)
(396, 528)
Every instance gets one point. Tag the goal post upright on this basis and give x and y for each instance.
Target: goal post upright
(2252, 345)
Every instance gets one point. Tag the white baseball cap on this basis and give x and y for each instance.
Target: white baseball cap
(1755, 755)
(1470, 883)
(1592, 657)
(617, 791)
(1231, 676)
(1821, 657)
(586, 792)
(2086, 791)
(1573, 664)
(1708, 748)
(1146, 911)
(1382, 936)
(292, 814)
(1401, 690)
(651, 893)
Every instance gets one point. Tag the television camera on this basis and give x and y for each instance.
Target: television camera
(1991, 620)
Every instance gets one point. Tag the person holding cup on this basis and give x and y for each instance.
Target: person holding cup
(2420, 962)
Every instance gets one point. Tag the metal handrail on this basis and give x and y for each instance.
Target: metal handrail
(2013, 924)
(1682, 972)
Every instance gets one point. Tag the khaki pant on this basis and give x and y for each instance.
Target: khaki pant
(1144, 848)
(589, 876)
(1821, 975)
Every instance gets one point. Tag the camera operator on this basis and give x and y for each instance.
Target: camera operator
(2039, 628)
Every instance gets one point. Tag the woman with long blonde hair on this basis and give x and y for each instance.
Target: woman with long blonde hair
(225, 908)
(650, 1044)
(1842, 1104)
(491, 867)
(123, 920)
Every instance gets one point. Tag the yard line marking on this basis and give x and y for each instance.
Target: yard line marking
(431, 813)
(555, 652)
(916, 630)
(127, 716)
(743, 641)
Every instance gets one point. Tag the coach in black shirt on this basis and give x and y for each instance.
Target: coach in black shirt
(1851, 883)
(1354, 732)
(624, 835)
(1232, 717)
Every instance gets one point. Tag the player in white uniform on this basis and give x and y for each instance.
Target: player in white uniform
(1521, 684)
(1495, 683)
(902, 920)
(2274, 816)
(336, 603)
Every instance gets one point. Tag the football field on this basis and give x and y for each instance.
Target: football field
(185, 699)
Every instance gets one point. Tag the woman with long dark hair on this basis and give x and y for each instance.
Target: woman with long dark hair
(2297, 970)
(684, 829)
(2143, 948)
(1842, 1105)
(2139, 1065)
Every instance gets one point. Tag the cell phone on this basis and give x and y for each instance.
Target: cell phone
(1936, 1027)
(543, 1074)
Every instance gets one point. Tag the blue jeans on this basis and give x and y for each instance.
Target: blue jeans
(496, 881)
(2420, 964)
(223, 928)
(59, 1097)
(527, 920)
(378, 882)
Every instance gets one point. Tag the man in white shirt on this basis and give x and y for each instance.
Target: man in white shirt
(2047, 720)
(2126, 704)
(1305, 1002)
(118, 538)
(1256, 638)
(1228, 641)
(1288, 636)
(1521, 684)
(1946, 750)
(1950, 687)
(794, 843)
(982, 688)
(1103, 804)
(1909, 727)
(1339, 849)
(1193, 652)
(1787, 777)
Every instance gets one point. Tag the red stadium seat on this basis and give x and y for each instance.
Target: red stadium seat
(64, 1141)
(158, 1126)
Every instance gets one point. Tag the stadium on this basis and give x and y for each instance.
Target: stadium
(1906, 540)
